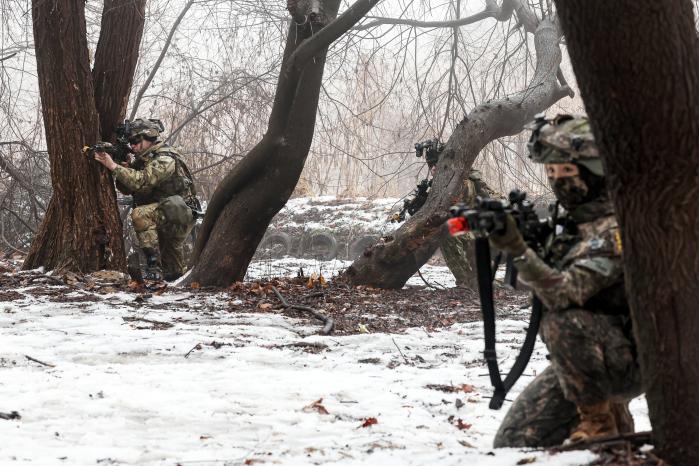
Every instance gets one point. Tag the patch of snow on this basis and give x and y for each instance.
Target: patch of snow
(126, 393)
(436, 276)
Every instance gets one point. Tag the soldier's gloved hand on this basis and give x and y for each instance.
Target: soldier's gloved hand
(510, 240)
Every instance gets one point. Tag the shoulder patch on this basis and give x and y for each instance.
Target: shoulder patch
(617, 242)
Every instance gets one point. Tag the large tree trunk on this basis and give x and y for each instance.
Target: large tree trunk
(115, 60)
(258, 187)
(81, 229)
(637, 65)
(392, 261)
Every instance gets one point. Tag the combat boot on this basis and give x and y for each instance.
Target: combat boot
(152, 271)
(595, 421)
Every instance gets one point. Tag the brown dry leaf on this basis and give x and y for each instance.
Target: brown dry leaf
(370, 421)
(108, 275)
(528, 460)
(466, 388)
(264, 306)
(195, 285)
(134, 285)
(316, 406)
(461, 425)
(237, 286)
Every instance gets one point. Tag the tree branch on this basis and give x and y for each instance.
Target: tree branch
(292, 69)
(156, 66)
(501, 13)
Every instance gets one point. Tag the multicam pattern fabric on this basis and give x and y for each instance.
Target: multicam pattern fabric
(564, 139)
(592, 359)
(159, 177)
(587, 331)
(588, 267)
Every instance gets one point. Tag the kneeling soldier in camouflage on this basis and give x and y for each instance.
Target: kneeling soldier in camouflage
(164, 198)
(585, 391)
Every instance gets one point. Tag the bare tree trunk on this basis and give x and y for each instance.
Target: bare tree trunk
(637, 65)
(81, 229)
(259, 186)
(115, 60)
(390, 263)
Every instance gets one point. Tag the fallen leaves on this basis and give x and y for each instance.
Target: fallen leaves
(316, 281)
(461, 425)
(528, 460)
(370, 421)
(463, 388)
(316, 406)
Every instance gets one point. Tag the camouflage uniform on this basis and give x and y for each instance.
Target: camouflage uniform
(586, 330)
(586, 325)
(458, 251)
(157, 174)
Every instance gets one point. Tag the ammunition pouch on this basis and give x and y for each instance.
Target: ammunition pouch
(176, 211)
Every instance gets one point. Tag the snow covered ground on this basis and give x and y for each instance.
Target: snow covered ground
(151, 383)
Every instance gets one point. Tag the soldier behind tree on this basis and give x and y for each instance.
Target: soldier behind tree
(164, 198)
(585, 391)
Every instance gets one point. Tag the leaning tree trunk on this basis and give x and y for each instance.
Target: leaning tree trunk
(392, 261)
(256, 189)
(641, 90)
(81, 229)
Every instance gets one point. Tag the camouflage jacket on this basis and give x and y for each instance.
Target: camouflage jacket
(157, 173)
(583, 266)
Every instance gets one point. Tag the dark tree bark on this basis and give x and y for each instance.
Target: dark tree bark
(259, 186)
(81, 229)
(392, 261)
(637, 65)
(115, 60)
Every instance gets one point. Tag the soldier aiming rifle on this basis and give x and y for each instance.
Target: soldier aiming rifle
(573, 265)
(165, 203)
(430, 149)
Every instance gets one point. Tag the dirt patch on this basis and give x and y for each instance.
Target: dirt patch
(353, 309)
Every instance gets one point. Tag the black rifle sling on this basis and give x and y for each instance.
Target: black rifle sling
(485, 288)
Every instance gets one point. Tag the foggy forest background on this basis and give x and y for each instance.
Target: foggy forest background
(208, 69)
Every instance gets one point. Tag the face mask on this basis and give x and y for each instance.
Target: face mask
(571, 191)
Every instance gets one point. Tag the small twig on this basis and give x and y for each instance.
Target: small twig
(401, 353)
(328, 321)
(39, 362)
(10, 416)
(637, 438)
(441, 287)
(154, 322)
(195, 347)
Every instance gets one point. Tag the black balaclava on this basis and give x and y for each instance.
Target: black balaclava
(573, 191)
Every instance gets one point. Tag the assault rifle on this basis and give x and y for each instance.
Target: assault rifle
(120, 150)
(414, 202)
(431, 149)
(488, 217)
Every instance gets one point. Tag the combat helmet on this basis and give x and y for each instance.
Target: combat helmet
(564, 139)
(142, 128)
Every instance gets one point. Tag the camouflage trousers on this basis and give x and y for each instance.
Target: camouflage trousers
(153, 231)
(592, 360)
